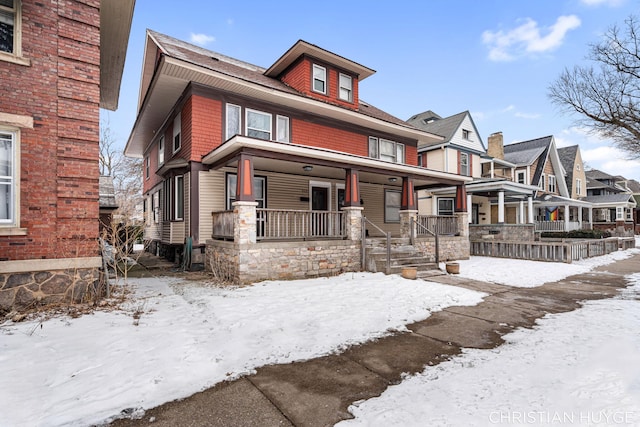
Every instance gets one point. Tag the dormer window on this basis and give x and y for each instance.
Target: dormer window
(466, 134)
(346, 88)
(319, 79)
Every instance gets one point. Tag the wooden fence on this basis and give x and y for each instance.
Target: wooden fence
(554, 251)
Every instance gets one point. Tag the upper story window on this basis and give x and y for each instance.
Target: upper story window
(8, 181)
(521, 177)
(345, 92)
(233, 120)
(542, 187)
(552, 183)
(10, 32)
(384, 149)
(147, 166)
(282, 129)
(464, 164)
(578, 187)
(161, 150)
(177, 129)
(258, 124)
(319, 79)
(466, 134)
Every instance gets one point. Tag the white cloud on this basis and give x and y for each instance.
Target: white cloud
(201, 39)
(527, 38)
(530, 116)
(230, 21)
(610, 3)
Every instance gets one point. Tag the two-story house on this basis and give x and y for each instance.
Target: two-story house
(267, 172)
(491, 191)
(613, 202)
(60, 63)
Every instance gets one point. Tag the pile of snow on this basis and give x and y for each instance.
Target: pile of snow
(576, 368)
(174, 339)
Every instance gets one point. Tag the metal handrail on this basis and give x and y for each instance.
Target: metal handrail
(364, 238)
(413, 237)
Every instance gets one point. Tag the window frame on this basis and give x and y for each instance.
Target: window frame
(388, 206)
(147, 167)
(178, 201)
(578, 186)
(285, 127)
(228, 131)
(324, 80)
(466, 171)
(246, 126)
(348, 89)
(228, 199)
(13, 180)
(177, 133)
(466, 134)
(551, 182)
(449, 200)
(542, 184)
(155, 206)
(15, 55)
(375, 150)
(523, 174)
(161, 150)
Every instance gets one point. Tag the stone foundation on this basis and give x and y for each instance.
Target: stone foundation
(249, 263)
(26, 290)
(450, 247)
(502, 232)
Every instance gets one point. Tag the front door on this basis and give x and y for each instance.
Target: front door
(319, 202)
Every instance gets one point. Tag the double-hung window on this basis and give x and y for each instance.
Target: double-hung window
(259, 187)
(578, 187)
(445, 207)
(319, 79)
(282, 129)
(179, 199)
(258, 124)
(521, 177)
(161, 150)
(8, 182)
(542, 184)
(464, 164)
(177, 130)
(10, 31)
(147, 167)
(233, 120)
(384, 149)
(552, 183)
(345, 91)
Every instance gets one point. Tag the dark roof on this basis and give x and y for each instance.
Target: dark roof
(107, 193)
(432, 123)
(609, 198)
(568, 158)
(598, 174)
(249, 72)
(634, 186)
(524, 153)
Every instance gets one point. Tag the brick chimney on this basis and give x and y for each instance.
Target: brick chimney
(496, 146)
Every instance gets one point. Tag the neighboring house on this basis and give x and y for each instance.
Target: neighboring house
(613, 201)
(464, 152)
(575, 177)
(60, 63)
(267, 172)
(107, 204)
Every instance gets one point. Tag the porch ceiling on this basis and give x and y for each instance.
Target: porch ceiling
(290, 158)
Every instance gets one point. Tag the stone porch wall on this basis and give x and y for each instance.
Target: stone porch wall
(503, 232)
(281, 260)
(617, 229)
(451, 247)
(26, 290)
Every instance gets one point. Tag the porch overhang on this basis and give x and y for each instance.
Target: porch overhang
(289, 158)
(486, 188)
(550, 200)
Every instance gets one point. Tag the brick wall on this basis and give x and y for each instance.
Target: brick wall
(59, 156)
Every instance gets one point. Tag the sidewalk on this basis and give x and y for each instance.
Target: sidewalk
(318, 392)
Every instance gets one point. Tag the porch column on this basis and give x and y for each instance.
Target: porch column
(244, 184)
(590, 218)
(352, 188)
(567, 213)
(461, 198)
(470, 207)
(462, 218)
(580, 217)
(353, 222)
(521, 213)
(500, 207)
(408, 208)
(530, 209)
(244, 222)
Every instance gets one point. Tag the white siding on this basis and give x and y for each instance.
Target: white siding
(473, 142)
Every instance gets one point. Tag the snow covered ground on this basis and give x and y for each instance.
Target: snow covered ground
(172, 339)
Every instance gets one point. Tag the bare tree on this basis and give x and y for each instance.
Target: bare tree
(606, 95)
(126, 173)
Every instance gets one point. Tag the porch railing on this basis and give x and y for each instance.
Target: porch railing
(557, 226)
(437, 224)
(222, 224)
(297, 224)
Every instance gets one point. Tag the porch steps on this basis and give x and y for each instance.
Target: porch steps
(402, 255)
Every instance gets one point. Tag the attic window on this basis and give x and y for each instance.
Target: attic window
(319, 79)
(466, 134)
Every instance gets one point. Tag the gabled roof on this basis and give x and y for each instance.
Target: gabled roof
(599, 175)
(171, 65)
(445, 127)
(610, 199)
(568, 158)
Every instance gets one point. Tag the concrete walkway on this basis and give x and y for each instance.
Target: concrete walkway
(318, 392)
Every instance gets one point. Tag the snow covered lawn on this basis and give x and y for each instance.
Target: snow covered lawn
(190, 336)
(575, 368)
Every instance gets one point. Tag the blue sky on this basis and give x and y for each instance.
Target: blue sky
(495, 58)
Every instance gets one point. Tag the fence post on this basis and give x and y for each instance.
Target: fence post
(388, 269)
(363, 243)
